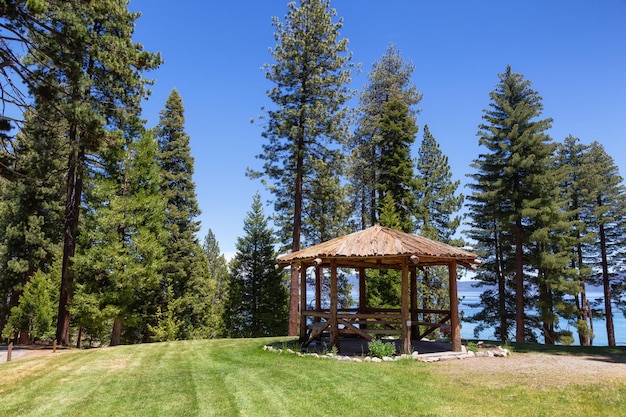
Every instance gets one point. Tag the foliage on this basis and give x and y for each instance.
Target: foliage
(122, 248)
(437, 198)
(396, 129)
(257, 297)
(607, 219)
(184, 279)
(35, 310)
(303, 131)
(389, 80)
(206, 294)
(31, 214)
(379, 349)
(308, 122)
(436, 216)
(515, 189)
(86, 64)
(384, 285)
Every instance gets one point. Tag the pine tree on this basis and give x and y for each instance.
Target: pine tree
(218, 277)
(518, 159)
(437, 198)
(184, 272)
(437, 204)
(397, 130)
(122, 249)
(550, 251)
(570, 157)
(308, 123)
(87, 49)
(607, 219)
(34, 314)
(33, 209)
(257, 298)
(384, 285)
(328, 217)
(497, 304)
(201, 309)
(16, 18)
(390, 78)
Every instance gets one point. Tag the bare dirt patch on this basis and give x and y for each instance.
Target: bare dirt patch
(22, 352)
(538, 369)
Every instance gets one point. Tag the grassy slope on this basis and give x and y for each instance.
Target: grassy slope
(237, 378)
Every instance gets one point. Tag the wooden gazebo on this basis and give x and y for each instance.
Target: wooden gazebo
(383, 248)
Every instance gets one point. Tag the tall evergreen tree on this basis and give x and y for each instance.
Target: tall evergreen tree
(308, 123)
(257, 297)
(390, 78)
(184, 268)
(122, 249)
(217, 284)
(437, 200)
(16, 18)
(32, 212)
(397, 129)
(518, 159)
(491, 242)
(607, 219)
(87, 49)
(570, 157)
(384, 285)
(327, 217)
(436, 215)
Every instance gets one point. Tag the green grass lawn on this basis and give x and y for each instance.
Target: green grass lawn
(237, 378)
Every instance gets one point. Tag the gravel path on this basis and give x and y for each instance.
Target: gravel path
(540, 369)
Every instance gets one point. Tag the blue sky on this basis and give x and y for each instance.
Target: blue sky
(574, 52)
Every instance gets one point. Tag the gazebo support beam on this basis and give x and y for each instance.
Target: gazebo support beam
(404, 307)
(303, 336)
(334, 300)
(413, 278)
(318, 288)
(455, 328)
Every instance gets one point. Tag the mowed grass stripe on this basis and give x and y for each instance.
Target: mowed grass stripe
(237, 378)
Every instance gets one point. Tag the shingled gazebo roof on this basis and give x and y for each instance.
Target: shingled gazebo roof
(380, 247)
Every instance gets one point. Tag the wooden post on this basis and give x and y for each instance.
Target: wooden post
(302, 304)
(404, 307)
(362, 296)
(293, 300)
(413, 277)
(334, 299)
(318, 290)
(54, 346)
(455, 328)
(362, 291)
(9, 352)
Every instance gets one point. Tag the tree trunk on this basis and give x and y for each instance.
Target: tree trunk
(297, 228)
(584, 339)
(606, 283)
(116, 332)
(519, 283)
(80, 337)
(74, 189)
(500, 276)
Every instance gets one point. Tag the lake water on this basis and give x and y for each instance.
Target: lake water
(599, 324)
(470, 295)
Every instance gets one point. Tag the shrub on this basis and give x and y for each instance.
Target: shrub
(378, 348)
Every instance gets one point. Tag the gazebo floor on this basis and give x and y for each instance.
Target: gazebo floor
(353, 346)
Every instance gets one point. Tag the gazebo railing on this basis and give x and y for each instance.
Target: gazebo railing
(375, 321)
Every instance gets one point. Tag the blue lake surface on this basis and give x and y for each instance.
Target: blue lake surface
(470, 295)
(599, 324)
